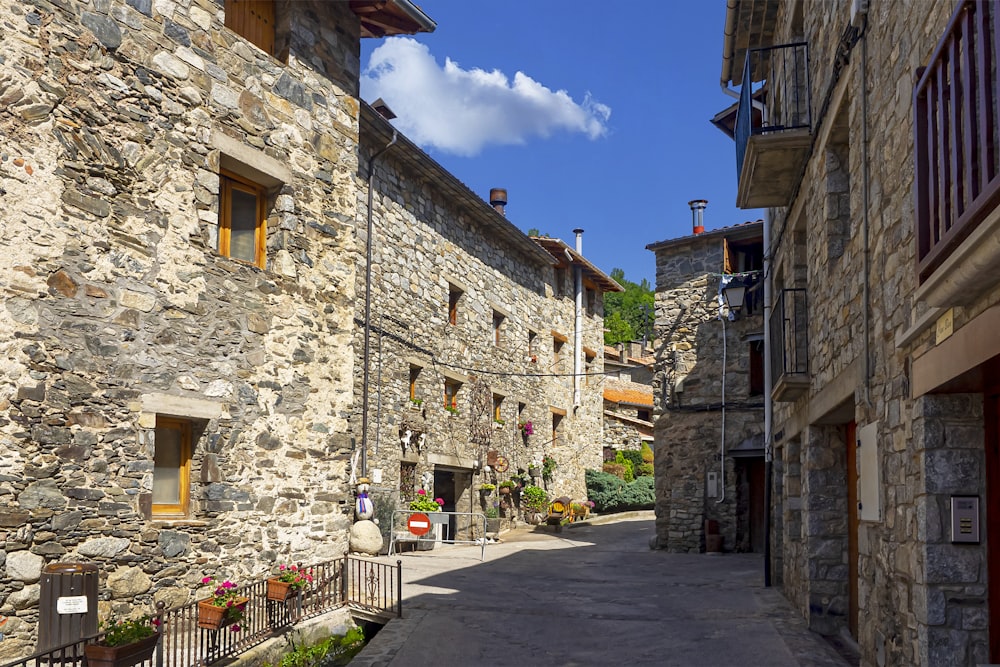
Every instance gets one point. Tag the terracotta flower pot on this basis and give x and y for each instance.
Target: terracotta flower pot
(504, 490)
(121, 656)
(213, 617)
(279, 590)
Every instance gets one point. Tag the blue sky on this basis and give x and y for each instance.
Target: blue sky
(591, 114)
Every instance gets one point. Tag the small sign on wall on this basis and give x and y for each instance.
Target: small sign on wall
(72, 604)
(965, 519)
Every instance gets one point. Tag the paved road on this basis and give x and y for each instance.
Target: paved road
(592, 595)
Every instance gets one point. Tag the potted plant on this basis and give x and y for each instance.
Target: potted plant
(492, 520)
(487, 489)
(507, 486)
(425, 504)
(125, 643)
(526, 428)
(290, 580)
(498, 423)
(534, 501)
(226, 606)
(451, 410)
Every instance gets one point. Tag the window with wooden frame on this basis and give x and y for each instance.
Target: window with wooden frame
(454, 295)
(414, 376)
(498, 408)
(242, 219)
(253, 20)
(171, 468)
(451, 388)
(497, 327)
(532, 345)
(557, 420)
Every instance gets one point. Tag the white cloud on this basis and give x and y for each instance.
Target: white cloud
(460, 111)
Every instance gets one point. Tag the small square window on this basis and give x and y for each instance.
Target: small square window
(242, 220)
(171, 468)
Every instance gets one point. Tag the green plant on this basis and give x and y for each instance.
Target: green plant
(127, 631)
(492, 513)
(549, 466)
(508, 484)
(534, 499)
(633, 455)
(646, 452)
(499, 422)
(486, 486)
(626, 461)
(417, 401)
(451, 409)
(292, 575)
(611, 494)
(645, 470)
(335, 650)
(425, 504)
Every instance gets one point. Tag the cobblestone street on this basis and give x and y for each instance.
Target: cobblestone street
(591, 595)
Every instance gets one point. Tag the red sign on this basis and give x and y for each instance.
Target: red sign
(419, 523)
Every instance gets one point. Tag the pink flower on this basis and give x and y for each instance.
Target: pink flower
(439, 501)
(206, 580)
(282, 568)
(235, 627)
(421, 492)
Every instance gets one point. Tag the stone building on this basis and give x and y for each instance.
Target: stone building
(178, 290)
(474, 330)
(628, 396)
(709, 385)
(872, 147)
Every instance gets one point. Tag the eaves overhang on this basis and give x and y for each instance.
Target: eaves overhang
(378, 132)
(749, 24)
(565, 255)
(385, 18)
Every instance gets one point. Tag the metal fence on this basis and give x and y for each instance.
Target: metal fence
(443, 527)
(370, 587)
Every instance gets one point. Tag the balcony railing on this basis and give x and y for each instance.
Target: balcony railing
(773, 124)
(956, 161)
(789, 345)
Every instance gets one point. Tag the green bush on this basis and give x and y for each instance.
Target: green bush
(335, 650)
(645, 470)
(646, 452)
(611, 494)
(626, 461)
(634, 456)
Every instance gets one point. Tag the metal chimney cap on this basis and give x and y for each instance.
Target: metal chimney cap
(698, 203)
(578, 231)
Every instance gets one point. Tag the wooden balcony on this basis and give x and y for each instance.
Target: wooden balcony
(773, 144)
(956, 160)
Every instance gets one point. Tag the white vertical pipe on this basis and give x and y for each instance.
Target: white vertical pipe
(578, 325)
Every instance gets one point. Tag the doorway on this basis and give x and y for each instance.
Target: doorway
(750, 519)
(444, 488)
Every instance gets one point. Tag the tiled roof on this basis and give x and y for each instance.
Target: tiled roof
(619, 391)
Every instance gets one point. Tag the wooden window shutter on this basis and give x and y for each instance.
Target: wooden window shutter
(727, 266)
(253, 20)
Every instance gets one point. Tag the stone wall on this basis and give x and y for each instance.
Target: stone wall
(620, 435)
(688, 391)
(114, 120)
(428, 240)
(923, 600)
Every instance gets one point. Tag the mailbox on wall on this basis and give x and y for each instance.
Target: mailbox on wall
(965, 519)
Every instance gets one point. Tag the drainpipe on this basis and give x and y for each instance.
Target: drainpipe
(865, 196)
(768, 404)
(368, 310)
(722, 443)
(578, 326)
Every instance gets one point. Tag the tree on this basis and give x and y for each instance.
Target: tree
(628, 315)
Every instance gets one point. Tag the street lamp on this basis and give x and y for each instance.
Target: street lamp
(734, 295)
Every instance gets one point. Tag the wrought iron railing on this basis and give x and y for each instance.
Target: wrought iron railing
(789, 335)
(956, 127)
(780, 93)
(368, 586)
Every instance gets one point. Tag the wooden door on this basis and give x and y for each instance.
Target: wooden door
(852, 527)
